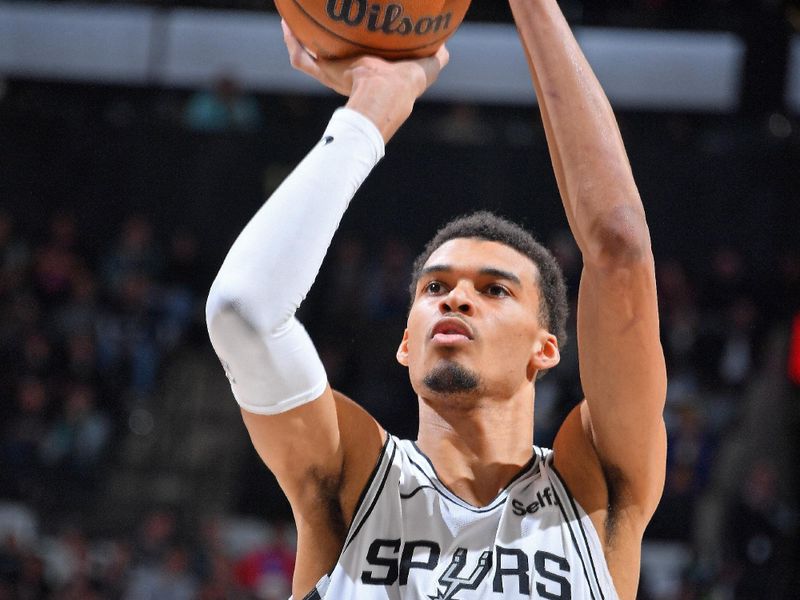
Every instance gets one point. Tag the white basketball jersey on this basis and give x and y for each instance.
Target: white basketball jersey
(413, 538)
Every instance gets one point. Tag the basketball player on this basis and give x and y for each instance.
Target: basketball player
(472, 509)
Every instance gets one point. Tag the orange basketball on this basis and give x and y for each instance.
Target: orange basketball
(391, 29)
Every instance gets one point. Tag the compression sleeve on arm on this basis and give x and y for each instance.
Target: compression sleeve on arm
(268, 357)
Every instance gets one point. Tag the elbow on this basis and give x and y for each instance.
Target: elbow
(218, 303)
(221, 312)
(228, 307)
(619, 239)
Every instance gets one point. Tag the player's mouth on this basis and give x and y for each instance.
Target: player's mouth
(451, 331)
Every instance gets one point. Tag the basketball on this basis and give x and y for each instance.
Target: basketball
(391, 29)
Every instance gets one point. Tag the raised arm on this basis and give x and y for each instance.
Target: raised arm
(621, 360)
(320, 446)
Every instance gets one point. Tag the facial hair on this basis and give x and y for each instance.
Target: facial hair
(449, 377)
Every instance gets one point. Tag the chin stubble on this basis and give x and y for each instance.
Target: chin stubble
(451, 378)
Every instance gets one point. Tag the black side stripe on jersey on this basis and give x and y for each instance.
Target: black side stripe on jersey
(575, 543)
(575, 516)
(413, 492)
(583, 531)
(375, 499)
(372, 477)
(313, 595)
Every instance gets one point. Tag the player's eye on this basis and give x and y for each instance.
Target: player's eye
(434, 287)
(497, 290)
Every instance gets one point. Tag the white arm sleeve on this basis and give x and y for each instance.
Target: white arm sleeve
(267, 354)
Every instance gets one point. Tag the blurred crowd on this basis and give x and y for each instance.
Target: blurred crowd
(161, 560)
(84, 334)
(82, 337)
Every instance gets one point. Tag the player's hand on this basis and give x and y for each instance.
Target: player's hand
(384, 91)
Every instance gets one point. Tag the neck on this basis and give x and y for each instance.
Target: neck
(477, 445)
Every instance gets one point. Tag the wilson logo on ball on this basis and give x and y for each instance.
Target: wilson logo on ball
(386, 18)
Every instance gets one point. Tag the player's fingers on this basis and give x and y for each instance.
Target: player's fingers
(443, 56)
(299, 57)
(433, 65)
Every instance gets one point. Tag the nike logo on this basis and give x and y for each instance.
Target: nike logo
(327, 140)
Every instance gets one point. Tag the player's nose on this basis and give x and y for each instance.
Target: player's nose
(458, 300)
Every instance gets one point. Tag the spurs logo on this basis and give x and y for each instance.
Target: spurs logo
(453, 582)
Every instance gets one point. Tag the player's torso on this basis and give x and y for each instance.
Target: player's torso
(412, 538)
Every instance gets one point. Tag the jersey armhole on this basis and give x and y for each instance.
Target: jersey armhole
(366, 502)
(371, 492)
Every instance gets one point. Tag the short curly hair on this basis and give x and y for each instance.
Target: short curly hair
(484, 225)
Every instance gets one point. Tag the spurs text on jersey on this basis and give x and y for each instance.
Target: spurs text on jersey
(393, 562)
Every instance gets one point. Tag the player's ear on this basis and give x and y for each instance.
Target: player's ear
(545, 354)
(402, 350)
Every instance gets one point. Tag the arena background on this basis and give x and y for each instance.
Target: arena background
(136, 139)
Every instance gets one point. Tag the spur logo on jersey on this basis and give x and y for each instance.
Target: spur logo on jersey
(452, 580)
(462, 576)
(543, 499)
(386, 18)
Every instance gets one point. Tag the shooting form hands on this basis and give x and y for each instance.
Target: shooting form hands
(383, 91)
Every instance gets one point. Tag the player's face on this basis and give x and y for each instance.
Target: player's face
(473, 327)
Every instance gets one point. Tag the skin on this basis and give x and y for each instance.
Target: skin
(611, 449)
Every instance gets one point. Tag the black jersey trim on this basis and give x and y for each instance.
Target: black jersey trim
(374, 499)
(313, 595)
(372, 476)
(568, 521)
(580, 526)
(413, 492)
(442, 490)
(447, 493)
(575, 543)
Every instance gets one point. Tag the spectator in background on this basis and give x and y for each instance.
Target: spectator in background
(78, 314)
(182, 284)
(21, 313)
(68, 558)
(212, 566)
(56, 261)
(728, 278)
(726, 356)
(738, 352)
(183, 268)
(81, 359)
(127, 344)
(27, 581)
(75, 442)
(337, 302)
(387, 282)
(267, 572)
(156, 535)
(224, 108)
(168, 580)
(22, 440)
(36, 355)
(14, 255)
(760, 528)
(136, 252)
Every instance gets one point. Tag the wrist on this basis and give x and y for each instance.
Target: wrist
(386, 105)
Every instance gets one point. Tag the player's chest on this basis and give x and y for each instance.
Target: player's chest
(438, 549)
